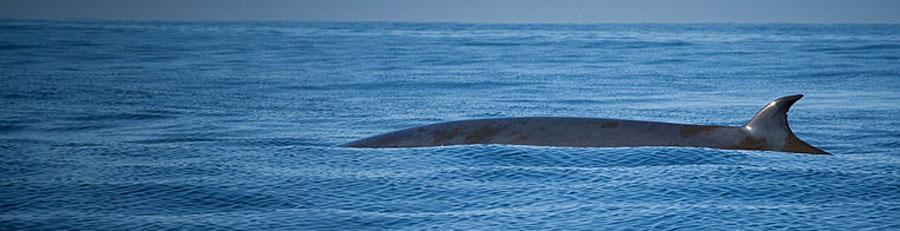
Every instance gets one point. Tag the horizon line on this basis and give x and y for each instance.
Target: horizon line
(432, 22)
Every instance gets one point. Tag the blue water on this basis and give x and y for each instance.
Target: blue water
(157, 125)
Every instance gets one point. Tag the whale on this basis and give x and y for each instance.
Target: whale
(767, 130)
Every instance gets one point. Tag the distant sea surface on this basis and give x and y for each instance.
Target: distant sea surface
(164, 125)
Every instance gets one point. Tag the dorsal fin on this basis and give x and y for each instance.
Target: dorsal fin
(774, 114)
(771, 122)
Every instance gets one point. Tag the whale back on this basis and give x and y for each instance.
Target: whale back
(768, 130)
(770, 126)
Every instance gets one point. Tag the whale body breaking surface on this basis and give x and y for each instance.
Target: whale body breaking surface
(767, 130)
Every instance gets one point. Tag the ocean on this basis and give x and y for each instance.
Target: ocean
(236, 125)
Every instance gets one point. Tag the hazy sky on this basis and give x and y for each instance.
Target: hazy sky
(488, 11)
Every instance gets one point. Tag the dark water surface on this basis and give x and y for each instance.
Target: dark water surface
(152, 125)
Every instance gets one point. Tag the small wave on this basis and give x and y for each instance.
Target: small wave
(474, 212)
(22, 62)
(444, 62)
(855, 49)
(876, 57)
(499, 43)
(590, 157)
(580, 101)
(634, 44)
(122, 116)
(10, 128)
(8, 47)
(444, 85)
(20, 26)
(173, 140)
(876, 47)
(492, 44)
(270, 142)
(667, 61)
(74, 127)
(77, 144)
(68, 44)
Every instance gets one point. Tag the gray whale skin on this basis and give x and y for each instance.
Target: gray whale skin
(768, 130)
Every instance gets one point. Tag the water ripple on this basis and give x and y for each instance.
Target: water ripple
(233, 125)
